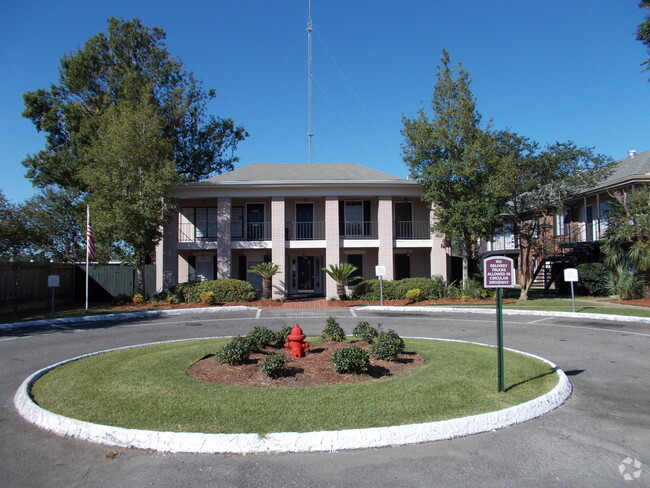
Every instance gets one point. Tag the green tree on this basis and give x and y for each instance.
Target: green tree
(13, 230)
(113, 67)
(266, 270)
(643, 32)
(341, 273)
(456, 162)
(626, 245)
(125, 121)
(52, 220)
(129, 173)
(538, 182)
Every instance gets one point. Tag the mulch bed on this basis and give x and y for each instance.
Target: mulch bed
(315, 369)
(333, 304)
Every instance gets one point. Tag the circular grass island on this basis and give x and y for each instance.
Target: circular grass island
(142, 396)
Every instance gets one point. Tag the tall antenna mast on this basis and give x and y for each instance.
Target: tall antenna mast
(310, 132)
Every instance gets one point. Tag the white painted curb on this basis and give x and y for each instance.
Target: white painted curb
(149, 314)
(492, 311)
(194, 442)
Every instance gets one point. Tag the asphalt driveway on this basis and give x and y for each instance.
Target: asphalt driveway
(597, 438)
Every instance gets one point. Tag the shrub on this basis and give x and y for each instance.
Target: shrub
(365, 331)
(237, 351)
(138, 298)
(225, 290)
(207, 298)
(260, 337)
(414, 295)
(626, 283)
(274, 365)
(432, 289)
(592, 279)
(333, 331)
(473, 289)
(282, 334)
(389, 346)
(351, 359)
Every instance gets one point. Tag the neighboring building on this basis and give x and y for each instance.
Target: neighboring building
(584, 221)
(303, 217)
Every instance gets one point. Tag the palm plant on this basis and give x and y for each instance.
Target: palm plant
(266, 270)
(342, 273)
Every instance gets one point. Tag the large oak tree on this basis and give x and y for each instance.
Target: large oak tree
(124, 122)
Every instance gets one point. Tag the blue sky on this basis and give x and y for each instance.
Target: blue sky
(553, 71)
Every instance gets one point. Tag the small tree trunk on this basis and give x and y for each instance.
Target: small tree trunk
(340, 291)
(266, 288)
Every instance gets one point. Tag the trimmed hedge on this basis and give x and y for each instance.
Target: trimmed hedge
(224, 290)
(593, 279)
(432, 289)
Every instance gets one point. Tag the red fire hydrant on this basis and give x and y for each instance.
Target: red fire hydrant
(297, 344)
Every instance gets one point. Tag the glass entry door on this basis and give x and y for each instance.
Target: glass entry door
(305, 274)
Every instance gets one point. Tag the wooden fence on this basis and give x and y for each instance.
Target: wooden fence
(25, 285)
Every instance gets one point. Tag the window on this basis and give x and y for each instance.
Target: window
(205, 221)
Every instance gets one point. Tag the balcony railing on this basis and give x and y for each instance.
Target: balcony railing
(188, 232)
(412, 229)
(305, 231)
(255, 231)
(252, 231)
(358, 230)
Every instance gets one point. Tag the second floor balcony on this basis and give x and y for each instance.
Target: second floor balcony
(412, 229)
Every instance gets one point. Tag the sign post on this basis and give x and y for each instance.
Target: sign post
(53, 281)
(571, 275)
(380, 272)
(499, 273)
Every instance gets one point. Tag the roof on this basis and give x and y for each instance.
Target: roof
(627, 171)
(319, 173)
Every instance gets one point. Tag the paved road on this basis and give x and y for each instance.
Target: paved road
(583, 443)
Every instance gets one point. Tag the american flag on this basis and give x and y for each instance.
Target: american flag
(90, 242)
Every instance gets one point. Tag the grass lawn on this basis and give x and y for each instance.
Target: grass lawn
(583, 305)
(147, 388)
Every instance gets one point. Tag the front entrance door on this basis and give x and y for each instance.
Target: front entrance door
(306, 274)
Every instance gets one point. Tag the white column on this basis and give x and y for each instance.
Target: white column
(332, 241)
(278, 247)
(439, 254)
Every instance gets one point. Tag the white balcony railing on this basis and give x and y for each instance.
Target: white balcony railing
(305, 231)
(412, 229)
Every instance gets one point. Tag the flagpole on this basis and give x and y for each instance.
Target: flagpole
(87, 252)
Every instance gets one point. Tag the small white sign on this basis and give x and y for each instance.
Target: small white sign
(380, 271)
(53, 281)
(570, 274)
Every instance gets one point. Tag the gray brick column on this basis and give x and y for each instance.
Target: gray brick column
(167, 256)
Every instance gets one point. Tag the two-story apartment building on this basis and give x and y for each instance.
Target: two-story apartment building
(302, 217)
(583, 222)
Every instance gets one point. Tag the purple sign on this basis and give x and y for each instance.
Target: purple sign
(498, 272)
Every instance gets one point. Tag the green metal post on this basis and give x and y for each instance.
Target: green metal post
(500, 339)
